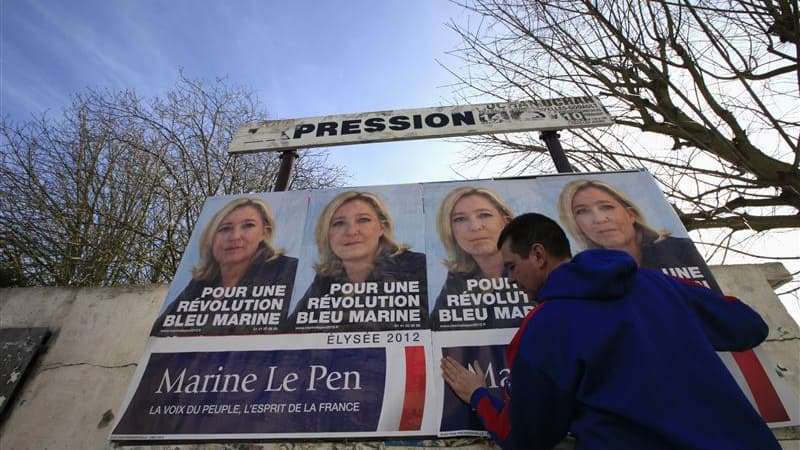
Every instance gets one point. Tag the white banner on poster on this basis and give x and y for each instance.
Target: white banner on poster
(316, 385)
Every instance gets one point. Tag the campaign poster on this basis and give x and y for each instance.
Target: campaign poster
(467, 280)
(276, 380)
(488, 349)
(251, 239)
(662, 241)
(325, 314)
(347, 230)
(304, 386)
(663, 244)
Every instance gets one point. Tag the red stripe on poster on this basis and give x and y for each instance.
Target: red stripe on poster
(768, 402)
(414, 400)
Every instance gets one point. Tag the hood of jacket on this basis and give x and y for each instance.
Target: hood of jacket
(596, 274)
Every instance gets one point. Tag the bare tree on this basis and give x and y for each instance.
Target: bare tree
(110, 193)
(717, 81)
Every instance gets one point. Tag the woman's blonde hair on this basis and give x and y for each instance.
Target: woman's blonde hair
(644, 232)
(207, 268)
(457, 259)
(331, 265)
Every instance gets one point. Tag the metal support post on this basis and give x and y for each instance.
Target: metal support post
(550, 138)
(287, 161)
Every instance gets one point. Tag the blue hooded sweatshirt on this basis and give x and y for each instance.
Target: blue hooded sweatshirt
(624, 358)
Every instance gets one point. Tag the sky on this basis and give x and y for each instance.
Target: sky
(302, 58)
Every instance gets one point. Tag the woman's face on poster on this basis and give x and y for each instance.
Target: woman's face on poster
(238, 236)
(603, 218)
(476, 225)
(355, 232)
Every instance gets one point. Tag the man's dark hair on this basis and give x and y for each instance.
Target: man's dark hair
(530, 228)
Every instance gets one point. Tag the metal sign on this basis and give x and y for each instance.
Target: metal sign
(437, 122)
(18, 349)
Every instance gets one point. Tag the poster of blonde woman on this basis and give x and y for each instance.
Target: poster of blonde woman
(475, 293)
(624, 211)
(237, 275)
(598, 214)
(325, 314)
(369, 271)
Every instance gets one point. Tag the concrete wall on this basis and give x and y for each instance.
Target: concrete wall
(77, 384)
(80, 380)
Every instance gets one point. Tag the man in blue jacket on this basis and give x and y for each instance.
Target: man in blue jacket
(618, 356)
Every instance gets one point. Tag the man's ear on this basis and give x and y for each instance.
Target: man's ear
(538, 254)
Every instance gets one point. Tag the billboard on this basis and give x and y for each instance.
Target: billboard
(324, 314)
(423, 123)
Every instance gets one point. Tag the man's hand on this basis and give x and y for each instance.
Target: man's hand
(460, 379)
